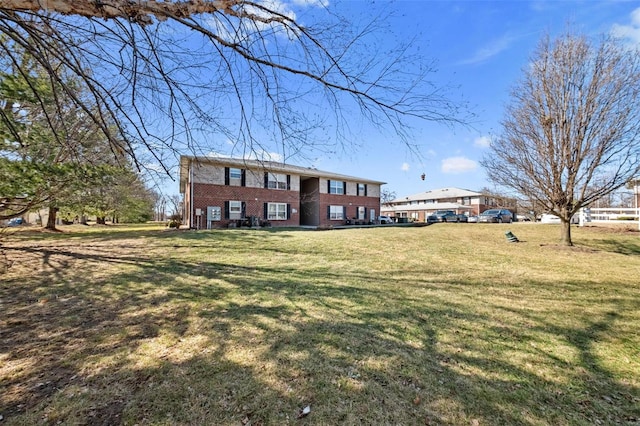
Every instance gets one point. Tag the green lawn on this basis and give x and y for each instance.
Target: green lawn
(444, 324)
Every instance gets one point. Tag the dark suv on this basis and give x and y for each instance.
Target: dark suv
(496, 216)
(443, 216)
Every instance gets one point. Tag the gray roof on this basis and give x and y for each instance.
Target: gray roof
(425, 207)
(438, 194)
(271, 166)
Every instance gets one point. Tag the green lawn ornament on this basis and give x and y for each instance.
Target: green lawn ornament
(511, 238)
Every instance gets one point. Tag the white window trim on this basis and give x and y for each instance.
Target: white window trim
(231, 173)
(336, 187)
(277, 181)
(336, 213)
(279, 213)
(235, 210)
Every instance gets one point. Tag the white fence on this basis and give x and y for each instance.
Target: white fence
(609, 216)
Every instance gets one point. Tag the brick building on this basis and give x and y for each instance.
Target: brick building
(419, 206)
(227, 192)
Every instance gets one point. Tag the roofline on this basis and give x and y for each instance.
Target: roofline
(425, 195)
(272, 166)
(426, 207)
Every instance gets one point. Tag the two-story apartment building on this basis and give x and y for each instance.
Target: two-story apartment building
(222, 192)
(462, 201)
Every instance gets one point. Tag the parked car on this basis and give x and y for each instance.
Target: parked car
(463, 218)
(472, 219)
(551, 218)
(523, 218)
(496, 216)
(16, 221)
(385, 220)
(442, 216)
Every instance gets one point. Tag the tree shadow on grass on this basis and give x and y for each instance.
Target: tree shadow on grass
(627, 247)
(226, 343)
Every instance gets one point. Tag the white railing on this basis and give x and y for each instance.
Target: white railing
(609, 216)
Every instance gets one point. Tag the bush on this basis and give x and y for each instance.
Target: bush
(175, 220)
(626, 218)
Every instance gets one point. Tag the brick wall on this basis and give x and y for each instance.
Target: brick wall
(216, 195)
(351, 202)
(209, 185)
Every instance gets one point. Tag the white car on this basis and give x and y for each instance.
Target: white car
(385, 220)
(551, 218)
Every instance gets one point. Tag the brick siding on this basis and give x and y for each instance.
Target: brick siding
(216, 195)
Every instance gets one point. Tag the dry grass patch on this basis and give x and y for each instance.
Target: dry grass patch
(446, 324)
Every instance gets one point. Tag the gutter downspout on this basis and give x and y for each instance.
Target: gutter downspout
(190, 194)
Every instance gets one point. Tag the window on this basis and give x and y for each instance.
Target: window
(235, 173)
(276, 181)
(276, 211)
(336, 187)
(362, 189)
(234, 176)
(336, 212)
(235, 209)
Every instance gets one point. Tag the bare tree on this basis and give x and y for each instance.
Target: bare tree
(173, 74)
(386, 196)
(572, 131)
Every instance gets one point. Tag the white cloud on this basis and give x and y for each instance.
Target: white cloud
(311, 3)
(405, 167)
(490, 50)
(455, 165)
(631, 31)
(482, 142)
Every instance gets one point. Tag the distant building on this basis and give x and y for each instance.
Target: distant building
(461, 201)
(227, 192)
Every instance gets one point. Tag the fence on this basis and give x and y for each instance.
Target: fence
(609, 216)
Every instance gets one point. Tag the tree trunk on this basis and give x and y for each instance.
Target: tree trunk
(140, 11)
(4, 263)
(566, 233)
(51, 220)
(101, 220)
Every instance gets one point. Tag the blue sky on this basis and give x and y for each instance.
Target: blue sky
(480, 47)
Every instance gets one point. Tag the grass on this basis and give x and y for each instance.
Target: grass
(446, 324)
